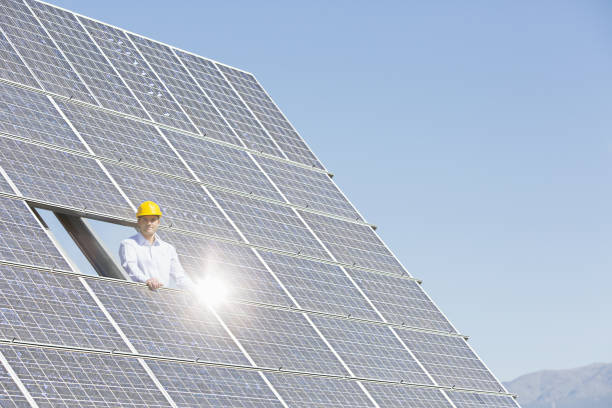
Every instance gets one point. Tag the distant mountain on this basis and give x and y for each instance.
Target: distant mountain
(584, 387)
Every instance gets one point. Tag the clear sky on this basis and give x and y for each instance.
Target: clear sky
(476, 135)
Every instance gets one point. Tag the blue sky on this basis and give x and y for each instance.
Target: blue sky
(476, 135)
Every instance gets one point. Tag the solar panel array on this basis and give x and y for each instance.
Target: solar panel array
(320, 313)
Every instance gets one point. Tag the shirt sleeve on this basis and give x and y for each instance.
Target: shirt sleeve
(129, 262)
(182, 280)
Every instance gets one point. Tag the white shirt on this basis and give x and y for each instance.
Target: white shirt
(143, 260)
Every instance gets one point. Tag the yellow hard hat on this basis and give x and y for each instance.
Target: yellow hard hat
(148, 208)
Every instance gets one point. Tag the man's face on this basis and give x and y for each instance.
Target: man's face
(148, 224)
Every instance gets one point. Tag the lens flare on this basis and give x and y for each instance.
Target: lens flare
(212, 291)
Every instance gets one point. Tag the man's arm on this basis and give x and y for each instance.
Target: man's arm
(129, 262)
(182, 280)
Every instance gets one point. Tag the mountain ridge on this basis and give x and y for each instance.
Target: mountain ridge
(583, 387)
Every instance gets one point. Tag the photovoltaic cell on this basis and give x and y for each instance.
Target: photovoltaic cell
(140, 79)
(185, 205)
(371, 351)
(71, 379)
(318, 286)
(11, 66)
(23, 240)
(352, 243)
(450, 361)
(10, 395)
(39, 52)
(269, 225)
(391, 396)
(280, 339)
(124, 140)
(184, 88)
(86, 59)
(308, 188)
(317, 392)
(51, 308)
(61, 178)
(268, 114)
(236, 267)
(33, 116)
(227, 101)
(222, 166)
(167, 323)
(468, 400)
(198, 386)
(401, 300)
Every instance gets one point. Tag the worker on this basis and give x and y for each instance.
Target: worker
(148, 259)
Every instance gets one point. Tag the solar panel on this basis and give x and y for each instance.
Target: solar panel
(167, 323)
(311, 392)
(23, 240)
(210, 79)
(450, 361)
(12, 67)
(352, 243)
(318, 286)
(401, 301)
(308, 188)
(39, 52)
(270, 225)
(185, 89)
(124, 140)
(33, 116)
(185, 205)
(237, 267)
(207, 143)
(371, 351)
(61, 178)
(197, 386)
(222, 166)
(280, 339)
(270, 116)
(10, 395)
(50, 308)
(69, 379)
(118, 48)
(401, 396)
(468, 400)
(82, 52)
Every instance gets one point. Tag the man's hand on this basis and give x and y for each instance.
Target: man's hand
(153, 284)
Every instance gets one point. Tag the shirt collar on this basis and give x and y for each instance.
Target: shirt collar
(143, 241)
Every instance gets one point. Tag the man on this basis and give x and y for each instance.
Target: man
(146, 258)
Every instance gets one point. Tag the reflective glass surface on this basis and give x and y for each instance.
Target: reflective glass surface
(39, 52)
(401, 300)
(11, 66)
(124, 140)
(72, 379)
(82, 52)
(466, 400)
(198, 386)
(371, 351)
(167, 323)
(270, 225)
(33, 116)
(269, 115)
(308, 188)
(280, 339)
(318, 286)
(61, 178)
(51, 308)
(229, 104)
(23, 240)
(450, 361)
(352, 243)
